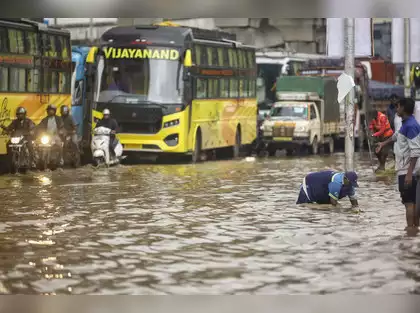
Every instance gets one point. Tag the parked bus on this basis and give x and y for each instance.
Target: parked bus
(176, 89)
(35, 70)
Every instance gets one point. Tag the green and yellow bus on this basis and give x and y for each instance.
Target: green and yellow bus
(176, 89)
(35, 70)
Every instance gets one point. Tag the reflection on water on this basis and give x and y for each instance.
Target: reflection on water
(214, 228)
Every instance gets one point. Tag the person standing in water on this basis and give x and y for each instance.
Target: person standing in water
(407, 153)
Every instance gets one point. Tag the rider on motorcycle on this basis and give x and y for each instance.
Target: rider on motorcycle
(109, 122)
(22, 126)
(53, 125)
(70, 126)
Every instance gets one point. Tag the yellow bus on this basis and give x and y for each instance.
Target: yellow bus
(35, 70)
(175, 89)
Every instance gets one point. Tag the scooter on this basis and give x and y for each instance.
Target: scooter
(100, 148)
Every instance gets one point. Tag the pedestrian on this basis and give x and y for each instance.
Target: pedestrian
(392, 110)
(382, 130)
(327, 187)
(407, 152)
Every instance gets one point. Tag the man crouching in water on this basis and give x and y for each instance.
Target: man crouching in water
(327, 187)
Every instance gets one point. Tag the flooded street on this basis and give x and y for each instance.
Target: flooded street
(227, 227)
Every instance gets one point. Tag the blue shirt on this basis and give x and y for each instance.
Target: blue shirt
(324, 185)
(407, 145)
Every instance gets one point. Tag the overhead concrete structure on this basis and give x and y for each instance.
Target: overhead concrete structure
(305, 35)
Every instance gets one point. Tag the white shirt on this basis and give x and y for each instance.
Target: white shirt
(417, 111)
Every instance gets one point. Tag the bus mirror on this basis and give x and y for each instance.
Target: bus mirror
(187, 58)
(91, 55)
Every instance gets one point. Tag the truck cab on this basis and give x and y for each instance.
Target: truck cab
(294, 122)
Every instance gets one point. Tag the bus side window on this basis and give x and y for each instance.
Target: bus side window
(13, 47)
(46, 83)
(225, 57)
(32, 43)
(17, 79)
(252, 88)
(245, 59)
(220, 57)
(59, 45)
(235, 58)
(20, 41)
(233, 90)
(231, 60)
(224, 88)
(251, 59)
(213, 88)
(4, 78)
(197, 55)
(54, 82)
(65, 48)
(240, 58)
(209, 52)
(63, 82)
(241, 88)
(201, 88)
(3, 40)
(32, 83)
(53, 45)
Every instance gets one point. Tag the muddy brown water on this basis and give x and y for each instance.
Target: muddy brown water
(224, 227)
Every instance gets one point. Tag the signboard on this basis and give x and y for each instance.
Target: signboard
(363, 37)
(398, 40)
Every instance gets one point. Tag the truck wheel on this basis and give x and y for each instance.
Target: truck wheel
(289, 152)
(315, 146)
(237, 146)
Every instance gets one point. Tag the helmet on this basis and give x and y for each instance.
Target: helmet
(20, 110)
(64, 110)
(106, 112)
(52, 107)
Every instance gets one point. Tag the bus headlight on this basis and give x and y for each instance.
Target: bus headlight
(45, 140)
(171, 123)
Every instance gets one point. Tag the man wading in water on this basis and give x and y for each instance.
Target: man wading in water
(407, 152)
(382, 131)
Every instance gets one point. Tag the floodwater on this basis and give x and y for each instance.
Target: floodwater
(224, 227)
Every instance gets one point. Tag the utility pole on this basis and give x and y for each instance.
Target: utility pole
(349, 40)
(91, 39)
(407, 57)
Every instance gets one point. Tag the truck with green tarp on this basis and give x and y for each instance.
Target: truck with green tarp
(306, 115)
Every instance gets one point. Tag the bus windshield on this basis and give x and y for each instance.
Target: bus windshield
(140, 80)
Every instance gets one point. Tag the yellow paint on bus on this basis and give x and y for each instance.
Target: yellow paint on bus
(217, 119)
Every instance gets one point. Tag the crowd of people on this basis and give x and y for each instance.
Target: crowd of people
(58, 127)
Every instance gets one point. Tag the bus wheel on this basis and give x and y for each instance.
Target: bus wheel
(237, 146)
(196, 156)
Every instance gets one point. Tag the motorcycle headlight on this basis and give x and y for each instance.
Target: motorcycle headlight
(45, 140)
(171, 123)
(15, 140)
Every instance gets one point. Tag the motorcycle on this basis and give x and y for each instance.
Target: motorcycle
(20, 156)
(100, 148)
(70, 152)
(48, 154)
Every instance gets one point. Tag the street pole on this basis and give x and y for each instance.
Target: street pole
(407, 85)
(349, 39)
(91, 39)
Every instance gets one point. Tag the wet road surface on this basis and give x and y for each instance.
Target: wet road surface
(226, 227)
